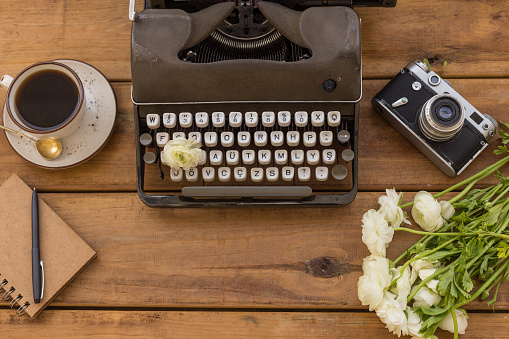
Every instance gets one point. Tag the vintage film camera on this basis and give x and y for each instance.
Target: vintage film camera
(437, 120)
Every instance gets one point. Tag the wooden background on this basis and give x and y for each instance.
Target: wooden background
(242, 272)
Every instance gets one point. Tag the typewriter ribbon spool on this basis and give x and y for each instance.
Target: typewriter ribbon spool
(7, 295)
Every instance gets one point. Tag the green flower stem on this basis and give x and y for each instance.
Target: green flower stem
(467, 189)
(485, 172)
(424, 239)
(455, 322)
(422, 283)
(469, 234)
(504, 192)
(486, 284)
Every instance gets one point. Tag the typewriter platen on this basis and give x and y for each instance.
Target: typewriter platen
(270, 89)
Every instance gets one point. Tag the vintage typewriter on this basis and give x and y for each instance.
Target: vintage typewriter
(269, 88)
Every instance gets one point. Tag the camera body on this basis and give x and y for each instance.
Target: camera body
(435, 118)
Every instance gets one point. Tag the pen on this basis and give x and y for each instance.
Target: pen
(37, 267)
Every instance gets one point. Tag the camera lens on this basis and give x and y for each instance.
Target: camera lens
(441, 117)
(445, 113)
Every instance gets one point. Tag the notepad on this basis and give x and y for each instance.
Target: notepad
(63, 252)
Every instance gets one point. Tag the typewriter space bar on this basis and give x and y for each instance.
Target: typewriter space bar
(247, 191)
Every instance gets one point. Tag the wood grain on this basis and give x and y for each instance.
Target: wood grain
(386, 159)
(221, 257)
(472, 37)
(212, 324)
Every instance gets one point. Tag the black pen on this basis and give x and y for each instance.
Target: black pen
(37, 267)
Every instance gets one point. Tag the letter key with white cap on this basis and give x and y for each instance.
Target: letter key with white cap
(252, 149)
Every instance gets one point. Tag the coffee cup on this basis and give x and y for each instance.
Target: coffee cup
(45, 99)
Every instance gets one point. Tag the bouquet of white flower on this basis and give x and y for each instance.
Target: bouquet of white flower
(463, 255)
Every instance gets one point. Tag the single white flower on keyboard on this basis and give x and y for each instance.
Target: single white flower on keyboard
(376, 232)
(182, 153)
(390, 210)
(427, 212)
(376, 278)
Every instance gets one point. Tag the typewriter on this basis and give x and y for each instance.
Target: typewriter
(269, 88)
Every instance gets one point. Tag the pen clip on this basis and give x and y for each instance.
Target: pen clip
(42, 288)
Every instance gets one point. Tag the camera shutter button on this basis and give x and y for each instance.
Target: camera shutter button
(329, 85)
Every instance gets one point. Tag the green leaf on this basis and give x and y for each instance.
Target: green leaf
(506, 125)
(433, 310)
(503, 249)
(494, 214)
(443, 67)
(501, 150)
(468, 285)
(484, 265)
(426, 61)
(463, 217)
(445, 283)
(439, 255)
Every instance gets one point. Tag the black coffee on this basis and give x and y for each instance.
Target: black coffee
(46, 99)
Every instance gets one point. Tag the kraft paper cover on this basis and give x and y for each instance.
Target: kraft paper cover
(63, 252)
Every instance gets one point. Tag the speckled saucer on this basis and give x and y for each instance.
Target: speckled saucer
(92, 134)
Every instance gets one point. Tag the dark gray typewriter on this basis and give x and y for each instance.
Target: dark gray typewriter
(269, 88)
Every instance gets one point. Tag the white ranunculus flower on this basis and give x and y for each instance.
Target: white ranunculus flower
(447, 210)
(426, 272)
(403, 284)
(376, 232)
(426, 297)
(182, 153)
(414, 323)
(376, 279)
(390, 313)
(432, 284)
(426, 212)
(420, 264)
(448, 325)
(390, 210)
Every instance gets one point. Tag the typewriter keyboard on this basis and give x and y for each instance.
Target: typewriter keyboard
(248, 152)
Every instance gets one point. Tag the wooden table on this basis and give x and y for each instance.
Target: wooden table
(253, 272)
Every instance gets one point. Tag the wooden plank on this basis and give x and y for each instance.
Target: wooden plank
(221, 257)
(212, 324)
(386, 158)
(472, 38)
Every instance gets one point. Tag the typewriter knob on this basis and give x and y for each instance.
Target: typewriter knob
(329, 85)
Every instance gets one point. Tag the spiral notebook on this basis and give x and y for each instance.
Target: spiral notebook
(63, 252)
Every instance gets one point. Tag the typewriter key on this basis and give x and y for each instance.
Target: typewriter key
(149, 158)
(343, 136)
(347, 155)
(145, 139)
(339, 172)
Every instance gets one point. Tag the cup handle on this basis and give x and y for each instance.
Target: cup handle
(6, 81)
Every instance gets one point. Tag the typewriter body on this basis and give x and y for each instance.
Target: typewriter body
(270, 90)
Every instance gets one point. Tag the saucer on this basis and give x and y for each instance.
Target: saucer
(95, 128)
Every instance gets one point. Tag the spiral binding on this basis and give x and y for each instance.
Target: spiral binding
(15, 301)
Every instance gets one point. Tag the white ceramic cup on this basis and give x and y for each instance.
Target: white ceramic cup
(62, 130)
